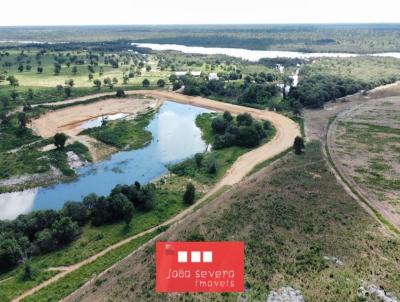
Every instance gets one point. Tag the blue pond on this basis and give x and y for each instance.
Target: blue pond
(175, 138)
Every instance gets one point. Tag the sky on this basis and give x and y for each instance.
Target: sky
(118, 12)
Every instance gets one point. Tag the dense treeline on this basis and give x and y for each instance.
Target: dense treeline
(109, 46)
(45, 231)
(242, 131)
(315, 90)
(287, 62)
(256, 89)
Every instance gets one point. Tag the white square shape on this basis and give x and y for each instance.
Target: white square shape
(207, 257)
(195, 257)
(182, 256)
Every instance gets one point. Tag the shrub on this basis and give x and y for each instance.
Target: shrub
(190, 193)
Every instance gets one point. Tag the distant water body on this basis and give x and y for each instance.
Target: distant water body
(255, 55)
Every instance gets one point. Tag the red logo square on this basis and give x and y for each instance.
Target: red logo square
(199, 266)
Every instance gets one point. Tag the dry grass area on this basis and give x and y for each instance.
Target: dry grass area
(290, 216)
(366, 148)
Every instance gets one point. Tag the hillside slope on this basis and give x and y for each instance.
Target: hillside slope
(300, 229)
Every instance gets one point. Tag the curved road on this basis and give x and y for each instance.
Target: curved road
(286, 131)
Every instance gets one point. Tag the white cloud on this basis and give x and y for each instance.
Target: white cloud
(84, 12)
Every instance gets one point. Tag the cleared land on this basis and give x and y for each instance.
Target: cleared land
(296, 221)
(364, 143)
(70, 119)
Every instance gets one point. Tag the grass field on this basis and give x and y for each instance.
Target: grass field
(367, 145)
(296, 221)
(124, 134)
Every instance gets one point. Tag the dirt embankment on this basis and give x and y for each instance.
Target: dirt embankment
(70, 119)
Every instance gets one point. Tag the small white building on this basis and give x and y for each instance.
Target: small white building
(196, 74)
(180, 73)
(213, 76)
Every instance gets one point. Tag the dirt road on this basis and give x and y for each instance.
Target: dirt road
(286, 131)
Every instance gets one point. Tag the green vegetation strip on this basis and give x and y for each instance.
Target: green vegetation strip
(125, 134)
(65, 286)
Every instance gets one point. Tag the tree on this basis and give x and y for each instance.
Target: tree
(65, 230)
(10, 253)
(27, 272)
(298, 145)
(125, 79)
(115, 81)
(198, 157)
(22, 120)
(30, 94)
(70, 83)
(20, 68)
(74, 70)
(57, 69)
(120, 93)
(146, 83)
(90, 76)
(45, 241)
(219, 125)
(267, 125)
(68, 91)
(161, 83)
(60, 140)
(244, 119)
(14, 95)
(97, 83)
(59, 88)
(127, 212)
(39, 69)
(212, 167)
(148, 68)
(189, 195)
(228, 116)
(76, 211)
(13, 81)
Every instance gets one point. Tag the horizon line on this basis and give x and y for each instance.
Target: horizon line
(203, 24)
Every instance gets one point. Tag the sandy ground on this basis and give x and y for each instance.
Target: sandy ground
(69, 119)
(286, 131)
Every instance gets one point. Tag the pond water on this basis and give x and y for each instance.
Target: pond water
(98, 121)
(254, 55)
(175, 138)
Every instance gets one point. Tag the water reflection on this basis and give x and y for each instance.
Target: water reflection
(16, 203)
